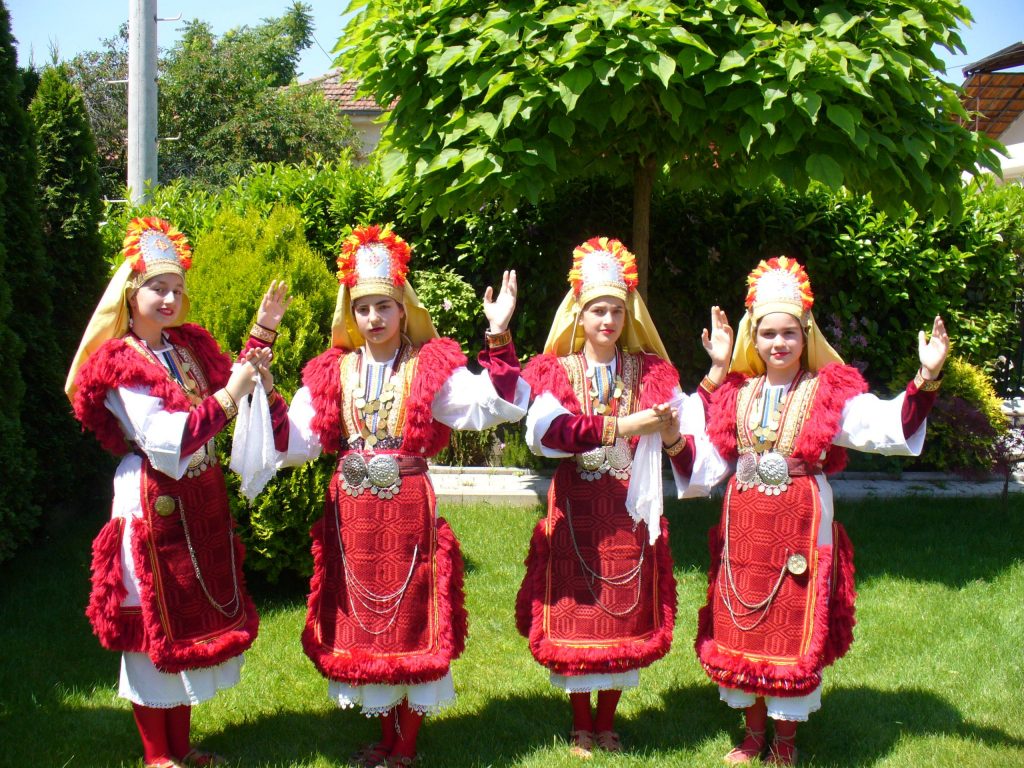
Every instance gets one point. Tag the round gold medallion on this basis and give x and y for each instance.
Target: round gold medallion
(164, 505)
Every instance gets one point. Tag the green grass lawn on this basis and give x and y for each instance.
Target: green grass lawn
(934, 677)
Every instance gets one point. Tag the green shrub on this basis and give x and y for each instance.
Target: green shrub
(234, 262)
(966, 422)
(454, 307)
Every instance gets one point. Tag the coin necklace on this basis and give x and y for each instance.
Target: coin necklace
(376, 398)
(605, 386)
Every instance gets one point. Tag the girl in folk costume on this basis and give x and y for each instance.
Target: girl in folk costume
(780, 593)
(598, 600)
(167, 585)
(386, 613)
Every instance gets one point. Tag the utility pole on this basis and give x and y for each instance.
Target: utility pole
(142, 95)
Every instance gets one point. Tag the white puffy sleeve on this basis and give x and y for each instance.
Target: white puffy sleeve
(709, 468)
(874, 425)
(544, 410)
(303, 442)
(156, 432)
(469, 401)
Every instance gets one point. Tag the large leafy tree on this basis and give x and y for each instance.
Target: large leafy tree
(97, 74)
(501, 100)
(224, 99)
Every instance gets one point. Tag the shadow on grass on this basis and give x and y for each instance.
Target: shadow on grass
(858, 726)
(949, 541)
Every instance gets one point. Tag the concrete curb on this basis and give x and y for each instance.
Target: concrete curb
(522, 487)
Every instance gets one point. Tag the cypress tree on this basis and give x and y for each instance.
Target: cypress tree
(18, 511)
(70, 211)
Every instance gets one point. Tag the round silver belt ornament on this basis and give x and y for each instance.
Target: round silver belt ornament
(353, 469)
(618, 456)
(593, 459)
(796, 564)
(746, 471)
(383, 470)
(772, 469)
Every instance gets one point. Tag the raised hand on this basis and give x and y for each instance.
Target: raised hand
(272, 308)
(718, 343)
(499, 311)
(933, 351)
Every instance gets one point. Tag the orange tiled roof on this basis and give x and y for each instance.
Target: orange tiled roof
(995, 95)
(343, 93)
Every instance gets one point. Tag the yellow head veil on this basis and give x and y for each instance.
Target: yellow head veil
(779, 285)
(151, 247)
(374, 261)
(603, 267)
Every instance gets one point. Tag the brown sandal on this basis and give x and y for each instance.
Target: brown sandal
(609, 741)
(398, 761)
(582, 744)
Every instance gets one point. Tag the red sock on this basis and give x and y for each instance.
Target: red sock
(409, 723)
(607, 701)
(581, 717)
(152, 726)
(785, 740)
(179, 720)
(388, 732)
(757, 716)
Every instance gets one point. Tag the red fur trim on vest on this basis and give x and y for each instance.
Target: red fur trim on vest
(837, 384)
(533, 581)
(117, 629)
(172, 658)
(322, 377)
(437, 361)
(115, 364)
(616, 658)
(657, 382)
(760, 677)
(841, 616)
(722, 416)
(216, 364)
(545, 374)
(359, 668)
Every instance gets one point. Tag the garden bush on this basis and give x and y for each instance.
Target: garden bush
(234, 262)
(966, 422)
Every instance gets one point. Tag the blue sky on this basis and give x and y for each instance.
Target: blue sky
(79, 25)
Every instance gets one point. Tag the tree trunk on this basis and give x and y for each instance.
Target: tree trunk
(643, 187)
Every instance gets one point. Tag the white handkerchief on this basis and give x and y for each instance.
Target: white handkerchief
(252, 449)
(644, 499)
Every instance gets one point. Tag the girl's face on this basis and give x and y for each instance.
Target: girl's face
(157, 304)
(780, 342)
(603, 320)
(378, 318)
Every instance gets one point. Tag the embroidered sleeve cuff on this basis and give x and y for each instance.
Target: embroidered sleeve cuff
(495, 340)
(926, 385)
(609, 430)
(676, 448)
(227, 403)
(263, 334)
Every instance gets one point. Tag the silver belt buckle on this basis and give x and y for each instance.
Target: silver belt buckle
(384, 475)
(769, 473)
(354, 475)
(202, 459)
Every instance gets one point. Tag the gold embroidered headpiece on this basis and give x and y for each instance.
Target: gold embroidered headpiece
(154, 247)
(374, 261)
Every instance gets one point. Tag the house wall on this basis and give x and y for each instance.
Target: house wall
(1015, 133)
